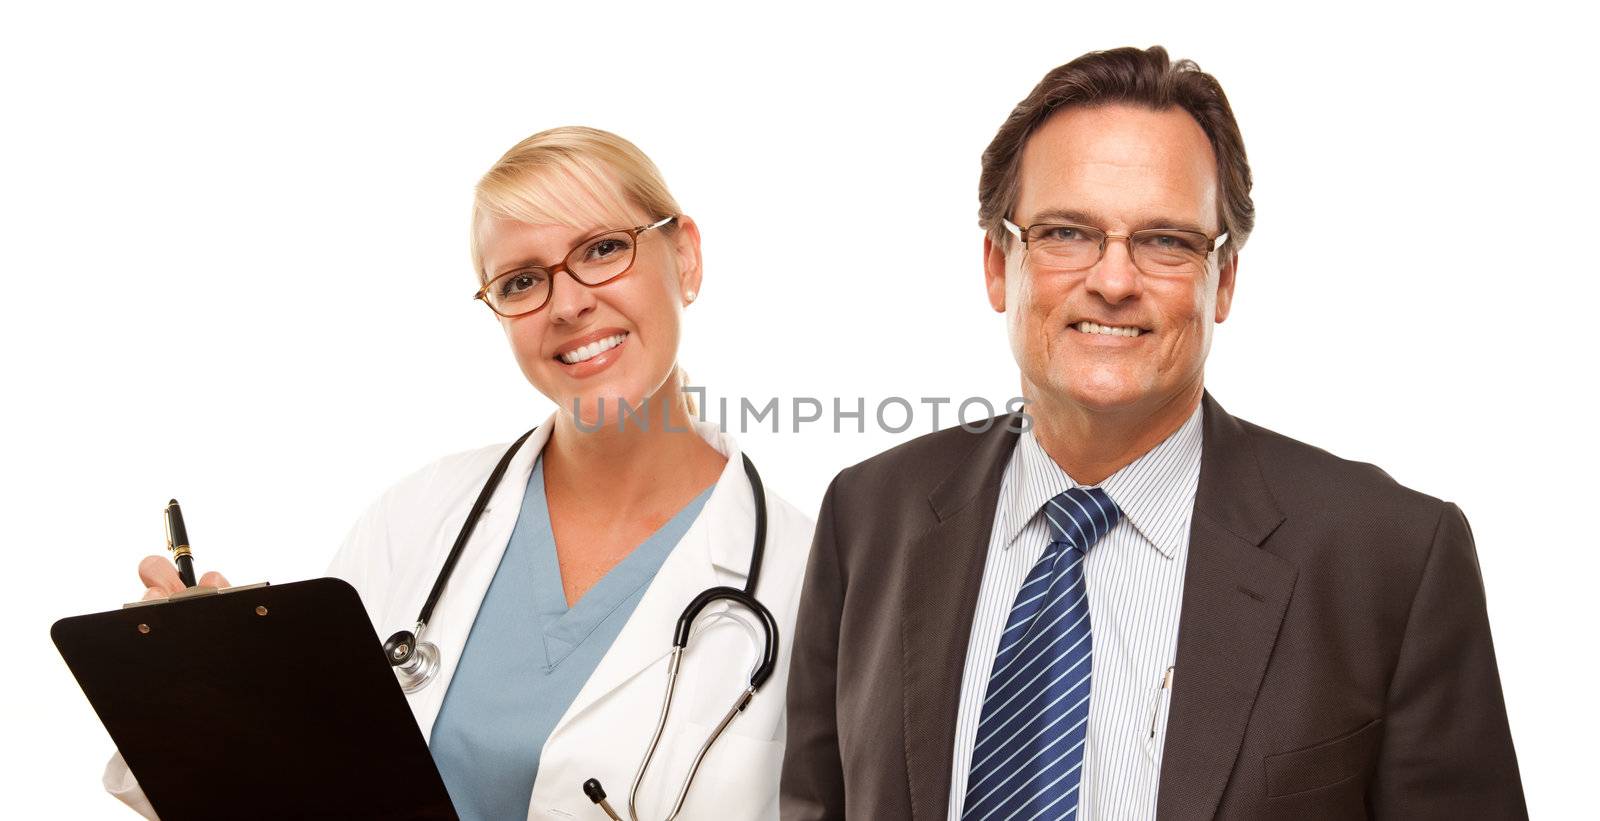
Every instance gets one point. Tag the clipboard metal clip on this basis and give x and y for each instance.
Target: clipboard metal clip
(195, 593)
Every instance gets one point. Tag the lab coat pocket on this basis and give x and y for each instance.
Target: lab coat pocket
(738, 779)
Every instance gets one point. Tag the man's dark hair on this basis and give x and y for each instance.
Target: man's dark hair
(1129, 76)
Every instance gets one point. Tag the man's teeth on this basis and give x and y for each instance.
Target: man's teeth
(1109, 330)
(592, 350)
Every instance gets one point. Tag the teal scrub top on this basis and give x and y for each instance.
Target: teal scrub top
(528, 655)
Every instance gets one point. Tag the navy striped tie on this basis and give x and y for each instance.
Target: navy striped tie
(1028, 757)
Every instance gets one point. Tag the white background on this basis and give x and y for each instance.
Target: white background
(235, 272)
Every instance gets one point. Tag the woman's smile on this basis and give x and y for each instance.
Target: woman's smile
(591, 353)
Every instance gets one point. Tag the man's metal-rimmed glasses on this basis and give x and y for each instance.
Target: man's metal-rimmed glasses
(1064, 246)
(594, 261)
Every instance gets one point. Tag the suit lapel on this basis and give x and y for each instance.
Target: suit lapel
(1234, 598)
(943, 568)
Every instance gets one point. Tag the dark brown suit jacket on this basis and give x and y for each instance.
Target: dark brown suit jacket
(1334, 658)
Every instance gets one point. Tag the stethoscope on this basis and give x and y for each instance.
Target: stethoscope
(416, 662)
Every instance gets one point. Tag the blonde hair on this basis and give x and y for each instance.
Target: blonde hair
(574, 176)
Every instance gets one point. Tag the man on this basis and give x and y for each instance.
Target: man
(1140, 606)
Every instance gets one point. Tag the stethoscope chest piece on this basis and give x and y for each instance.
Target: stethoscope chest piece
(415, 662)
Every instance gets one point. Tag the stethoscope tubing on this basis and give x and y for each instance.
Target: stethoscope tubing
(417, 661)
(468, 526)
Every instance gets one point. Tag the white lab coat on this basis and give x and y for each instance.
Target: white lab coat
(393, 555)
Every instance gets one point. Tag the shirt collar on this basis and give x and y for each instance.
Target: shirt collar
(1154, 492)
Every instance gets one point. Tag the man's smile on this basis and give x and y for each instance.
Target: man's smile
(1087, 327)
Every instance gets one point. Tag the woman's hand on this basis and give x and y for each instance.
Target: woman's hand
(160, 577)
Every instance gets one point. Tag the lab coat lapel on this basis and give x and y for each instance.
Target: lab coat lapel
(713, 551)
(463, 595)
(1235, 595)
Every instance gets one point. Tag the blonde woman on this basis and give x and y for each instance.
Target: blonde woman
(553, 630)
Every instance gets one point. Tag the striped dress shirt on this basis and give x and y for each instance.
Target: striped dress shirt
(1135, 582)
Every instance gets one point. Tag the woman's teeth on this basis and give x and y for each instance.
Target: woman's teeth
(1109, 330)
(591, 350)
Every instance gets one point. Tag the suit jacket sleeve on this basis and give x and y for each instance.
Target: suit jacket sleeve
(1447, 749)
(813, 777)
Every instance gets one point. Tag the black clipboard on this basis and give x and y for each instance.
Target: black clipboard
(260, 702)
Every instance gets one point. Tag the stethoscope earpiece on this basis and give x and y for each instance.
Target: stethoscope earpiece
(597, 794)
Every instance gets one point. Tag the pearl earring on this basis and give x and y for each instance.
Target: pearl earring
(688, 296)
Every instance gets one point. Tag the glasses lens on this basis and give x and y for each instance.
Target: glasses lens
(1168, 252)
(1064, 246)
(519, 291)
(601, 258)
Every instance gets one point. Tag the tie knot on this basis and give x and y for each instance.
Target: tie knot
(1079, 517)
